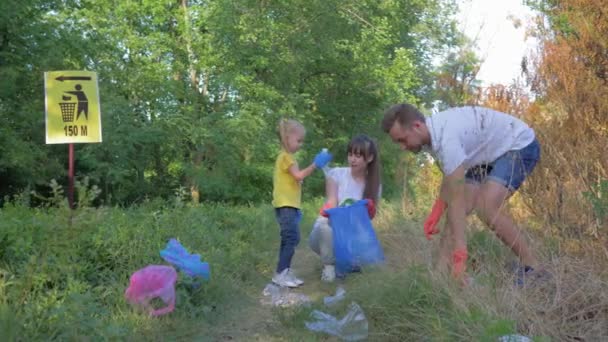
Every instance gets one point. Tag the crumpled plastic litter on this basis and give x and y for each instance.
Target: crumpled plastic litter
(153, 281)
(282, 296)
(352, 327)
(339, 296)
(514, 338)
(190, 264)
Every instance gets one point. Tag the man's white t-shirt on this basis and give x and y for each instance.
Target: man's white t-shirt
(348, 187)
(472, 136)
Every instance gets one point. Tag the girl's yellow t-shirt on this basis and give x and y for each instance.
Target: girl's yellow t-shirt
(287, 191)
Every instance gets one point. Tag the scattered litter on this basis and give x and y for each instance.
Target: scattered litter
(352, 327)
(154, 281)
(514, 338)
(190, 264)
(331, 300)
(471, 282)
(282, 296)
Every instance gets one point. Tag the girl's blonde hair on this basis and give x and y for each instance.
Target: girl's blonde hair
(367, 147)
(287, 127)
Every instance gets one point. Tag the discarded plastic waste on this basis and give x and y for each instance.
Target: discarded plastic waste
(331, 300)
(282, 296)
(352, 327)
(355, 241)
(514, 338)
(190, 264)
(347, 202)
(154, 281)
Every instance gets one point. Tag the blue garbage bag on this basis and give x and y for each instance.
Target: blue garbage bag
(190, 264)
(355, 241)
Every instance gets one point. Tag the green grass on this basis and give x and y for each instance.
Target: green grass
(66, 281)
(62, 281)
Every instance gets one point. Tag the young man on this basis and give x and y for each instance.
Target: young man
(484, 155)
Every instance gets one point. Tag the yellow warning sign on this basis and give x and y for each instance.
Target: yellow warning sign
(72, 111)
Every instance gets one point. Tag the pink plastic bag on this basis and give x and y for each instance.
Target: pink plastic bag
(151, 282)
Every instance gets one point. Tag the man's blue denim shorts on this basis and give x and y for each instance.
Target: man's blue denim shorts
(510, 169)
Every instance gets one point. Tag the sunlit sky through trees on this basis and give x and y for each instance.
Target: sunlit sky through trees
(500, 41)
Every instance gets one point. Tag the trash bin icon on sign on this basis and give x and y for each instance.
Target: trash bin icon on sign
(67, 109)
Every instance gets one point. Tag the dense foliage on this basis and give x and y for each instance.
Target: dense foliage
(191, 91)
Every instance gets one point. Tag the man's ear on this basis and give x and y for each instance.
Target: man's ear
(417, 126)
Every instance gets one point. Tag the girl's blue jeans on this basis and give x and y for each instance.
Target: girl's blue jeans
(289, 222)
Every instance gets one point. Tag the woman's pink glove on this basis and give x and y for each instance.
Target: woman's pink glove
(322, 212)
(430, 225)
(371, 208)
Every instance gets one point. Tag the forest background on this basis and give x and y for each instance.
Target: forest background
(191, 93)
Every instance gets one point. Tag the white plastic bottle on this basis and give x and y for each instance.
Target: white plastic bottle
(326, 168)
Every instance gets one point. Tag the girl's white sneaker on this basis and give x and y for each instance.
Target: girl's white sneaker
(295, 279)
(284, 279)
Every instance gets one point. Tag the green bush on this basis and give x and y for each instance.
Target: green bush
(63, 275)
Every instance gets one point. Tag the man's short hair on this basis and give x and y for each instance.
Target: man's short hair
(404, 113)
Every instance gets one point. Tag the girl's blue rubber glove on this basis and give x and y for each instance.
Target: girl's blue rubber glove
(322, 158)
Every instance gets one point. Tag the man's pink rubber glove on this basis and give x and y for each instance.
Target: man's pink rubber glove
(459, 263)
(430, 225)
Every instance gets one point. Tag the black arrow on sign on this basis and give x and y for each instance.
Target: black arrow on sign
(73, 78)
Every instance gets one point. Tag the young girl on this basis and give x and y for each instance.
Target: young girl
(287, 192)
(358, 181)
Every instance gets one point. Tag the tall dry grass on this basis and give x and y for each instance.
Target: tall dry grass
(572, 305)
(568, 75)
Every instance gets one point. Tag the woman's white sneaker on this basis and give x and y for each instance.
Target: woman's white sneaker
(329, 273)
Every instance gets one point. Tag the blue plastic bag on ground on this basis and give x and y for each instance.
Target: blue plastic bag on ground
(355, 241)
(190, 264)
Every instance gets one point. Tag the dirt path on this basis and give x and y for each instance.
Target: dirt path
(256, 322)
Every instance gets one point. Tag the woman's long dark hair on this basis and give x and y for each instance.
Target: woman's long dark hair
(367, 147)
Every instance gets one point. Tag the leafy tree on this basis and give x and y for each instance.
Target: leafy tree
(31, 41)
(192, 90)
(456, 80)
